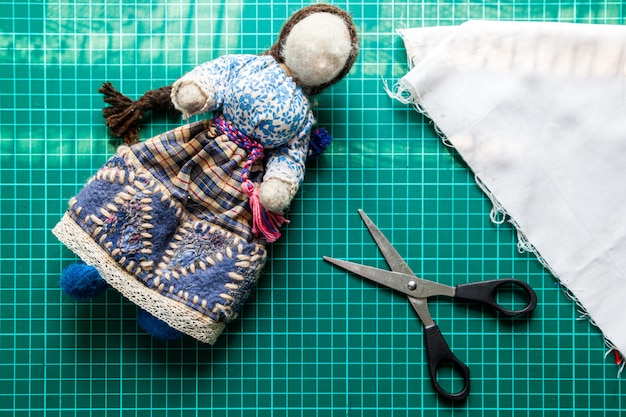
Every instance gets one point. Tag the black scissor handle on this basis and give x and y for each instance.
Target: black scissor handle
(485, 292)
(438, 353)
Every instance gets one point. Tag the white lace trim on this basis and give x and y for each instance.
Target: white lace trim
(177, 315)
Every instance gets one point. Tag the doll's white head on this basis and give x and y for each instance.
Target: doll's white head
(318, 45)
(317, 48)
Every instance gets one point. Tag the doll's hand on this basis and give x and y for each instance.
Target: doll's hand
(190, 99)
(275, 194)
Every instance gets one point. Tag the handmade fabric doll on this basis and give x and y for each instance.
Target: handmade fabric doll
(179, 223)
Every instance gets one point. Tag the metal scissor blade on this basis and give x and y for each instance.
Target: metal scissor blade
(393, 258)
(404, 283)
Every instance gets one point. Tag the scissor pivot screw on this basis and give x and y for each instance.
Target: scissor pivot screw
(411, 285)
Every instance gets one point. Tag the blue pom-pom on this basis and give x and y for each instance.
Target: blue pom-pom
(82, 281)
(157, 328)
(320, 139)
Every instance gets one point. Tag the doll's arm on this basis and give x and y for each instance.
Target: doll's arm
(190, 98)
(202, 89)
(276, 194)
(284, 173)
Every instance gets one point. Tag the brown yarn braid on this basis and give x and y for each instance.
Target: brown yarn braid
(123, 114)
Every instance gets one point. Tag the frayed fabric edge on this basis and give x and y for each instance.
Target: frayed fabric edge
(402, 92)
(498, 215)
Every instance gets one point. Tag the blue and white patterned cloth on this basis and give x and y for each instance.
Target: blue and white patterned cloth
(262, 101)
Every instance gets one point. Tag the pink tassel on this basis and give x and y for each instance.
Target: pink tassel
(263, 221)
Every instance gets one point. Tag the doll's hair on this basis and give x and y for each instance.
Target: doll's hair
(276, 51)
(123, 115)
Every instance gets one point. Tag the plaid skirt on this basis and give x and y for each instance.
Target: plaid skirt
(167, 224)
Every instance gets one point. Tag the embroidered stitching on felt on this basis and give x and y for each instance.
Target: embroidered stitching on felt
(177, 315)
(202, 249)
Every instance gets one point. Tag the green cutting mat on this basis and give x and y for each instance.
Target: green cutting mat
(314, 340)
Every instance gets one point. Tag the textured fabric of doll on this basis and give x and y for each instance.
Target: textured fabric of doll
(167, 224)
(170, 222)
(261, 100)
(538, 112)
(178, 224)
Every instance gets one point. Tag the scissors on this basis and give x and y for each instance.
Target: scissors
(402, 279)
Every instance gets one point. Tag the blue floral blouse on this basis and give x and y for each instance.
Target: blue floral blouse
(264, 103)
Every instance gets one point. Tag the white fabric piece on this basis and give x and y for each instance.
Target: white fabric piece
(538, 112)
